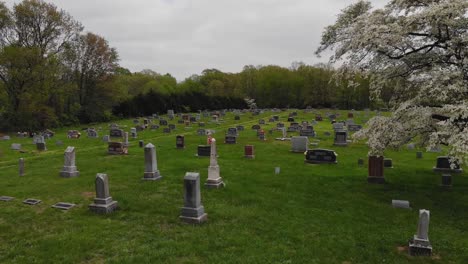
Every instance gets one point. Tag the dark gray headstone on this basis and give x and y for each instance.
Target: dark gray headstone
(193, 211)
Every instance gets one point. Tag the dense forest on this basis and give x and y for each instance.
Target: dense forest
(52, 73)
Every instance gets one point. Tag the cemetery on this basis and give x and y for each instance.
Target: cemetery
(234, 132)
(285, 190)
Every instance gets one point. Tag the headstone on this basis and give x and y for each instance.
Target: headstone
(126, 143)
(354, 128)
(214, 179)
(170, 113)
(307, 132)
(38, 139)
(139, 128)
(201, 124)
(240, 128)
(180, 142)
(376, 170)
(73, 134)
(232, 131)
(63, 206)
(411, 146)
(446, 180)
(117, 133)
(420, 245)
(69, 168)
(201, 132)
(318, 118)
(105, 138)
(163, 122)
(166, 130)
(6, 138)
(136, 121)
(401, 204)
(280, 125)
(151, 164)
(444, 165)
(31, 201)
(172, 126)
(16, 146)
(203, 150)
(276, 118)
(341, 137)
(360, 162)
(277, 170)
(117, 148)
(299, 144)
(350, 115)
(141, 143)
(236, 117)
(6, 198)
(261, 122)
(388, 163)
(92, 133)
(59, 143)
(255, 127)
(103, 203)
(21, 166)
(41, 146)
(419, 155)
(154, 127)
(193, 211)
(230, 139)
(249, 151)
(133, 132)
(290, 119)
(321, 156)
(338, 126)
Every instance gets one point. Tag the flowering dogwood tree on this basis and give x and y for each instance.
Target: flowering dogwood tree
(418, 48)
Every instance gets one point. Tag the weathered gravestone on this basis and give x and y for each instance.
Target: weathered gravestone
(6, 198)
(15, 146)
(388, 163)
(32, 201)
(201, 132)
(166, 130)
(354, 128)
(214, 179)
(21, 166)
(133, 132)
(141, 143)
(151, 164)
(249, 151)
(116, 133)
(154, 127)
(117, 148)
(419, 245)
(321, 156)
(299, 144)
(105, 138)
(445, 165)
(341, 137)
(338, 126)
(376, 170)
(63, 206)
(232, 131)
(69, 168)
(41, 146)
(103, 203)
(401, 204)
(6, 138)
(203, 150)
(230, 139)
(75, 134)
(163, 122)
(193, 211)
(307, 132)
(125, 139)
(419, 155)
(172, 126)
(240, 128)
(255, 127)
(92, 133)
(180, 142)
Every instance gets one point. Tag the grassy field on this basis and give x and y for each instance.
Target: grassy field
(305, 214)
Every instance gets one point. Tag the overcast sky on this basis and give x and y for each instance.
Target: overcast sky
(184, 37)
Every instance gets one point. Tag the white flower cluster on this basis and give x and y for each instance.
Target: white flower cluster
(421, 48)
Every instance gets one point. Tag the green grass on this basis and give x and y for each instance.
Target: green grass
(305, 214)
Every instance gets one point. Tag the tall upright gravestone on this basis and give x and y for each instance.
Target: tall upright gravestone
(103, 203)
(193, 211)
(151, 165)
(420, 245)
(376, 170)
(69, 168)
(214, 180)
(21, 166)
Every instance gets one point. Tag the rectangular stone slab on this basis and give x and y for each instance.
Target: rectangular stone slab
(31, 201)
(63, 206)
(6, 198)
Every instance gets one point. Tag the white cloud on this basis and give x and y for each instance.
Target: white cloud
(184, 37)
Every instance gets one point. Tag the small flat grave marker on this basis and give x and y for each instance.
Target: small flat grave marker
(63, 206)
(6, 198)
(32, 201)
(401, 204)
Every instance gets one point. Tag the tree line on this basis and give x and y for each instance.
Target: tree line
(52, 73)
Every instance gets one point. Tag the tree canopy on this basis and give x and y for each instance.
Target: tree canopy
(419, 50)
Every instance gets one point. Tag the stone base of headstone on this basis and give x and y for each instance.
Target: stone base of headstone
(193, 215)
(419, 247)
(69, 172)
(341, 144)
(446, 180)
(376, 180)
(442, 170)
(103, 206)
(249, 156)
(151, 176)
(214, 181)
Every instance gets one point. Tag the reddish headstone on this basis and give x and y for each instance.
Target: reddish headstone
(350, 115)
(249, 151)
(376, 170)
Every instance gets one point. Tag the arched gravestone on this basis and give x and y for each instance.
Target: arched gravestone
(103, 203)
(321, 156)
(420, 245)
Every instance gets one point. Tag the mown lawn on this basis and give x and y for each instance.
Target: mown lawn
(305, 214)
